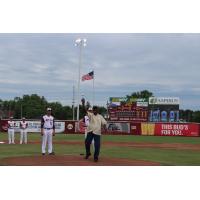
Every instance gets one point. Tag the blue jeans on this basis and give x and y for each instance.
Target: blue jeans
(97, 142)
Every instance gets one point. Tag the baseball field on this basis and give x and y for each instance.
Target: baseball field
(116, 150)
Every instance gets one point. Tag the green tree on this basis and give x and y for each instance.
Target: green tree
(142, 94)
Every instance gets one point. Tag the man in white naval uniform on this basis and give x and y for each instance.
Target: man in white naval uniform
(47, 131)
(23, 131)
(11, 131)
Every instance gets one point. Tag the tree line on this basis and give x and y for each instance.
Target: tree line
(34, 106)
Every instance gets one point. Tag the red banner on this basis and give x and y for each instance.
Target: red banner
(175, 129)
(135, 128)
(4, 125)
(69, 126)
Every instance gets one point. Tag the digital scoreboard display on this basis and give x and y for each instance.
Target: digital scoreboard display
(128, 112)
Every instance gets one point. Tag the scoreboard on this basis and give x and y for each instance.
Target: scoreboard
(128, 112)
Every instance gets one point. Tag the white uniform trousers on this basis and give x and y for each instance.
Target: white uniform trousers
(11, 136)
(23, 136)
(47, 139)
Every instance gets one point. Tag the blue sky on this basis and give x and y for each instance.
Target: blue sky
(47, 64)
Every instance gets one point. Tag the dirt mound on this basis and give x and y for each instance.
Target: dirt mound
(69, 160)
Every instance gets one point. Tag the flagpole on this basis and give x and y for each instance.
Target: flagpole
(93, 98)
(81, 43)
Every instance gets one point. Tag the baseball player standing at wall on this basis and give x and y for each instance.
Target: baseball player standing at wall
(11, 131)
(47, 131)
(23, 131)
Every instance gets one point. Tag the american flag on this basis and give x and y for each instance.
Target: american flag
(88, 76)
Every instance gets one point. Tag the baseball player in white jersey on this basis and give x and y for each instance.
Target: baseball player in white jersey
(23, 131)
(11, 131)
(47, 131)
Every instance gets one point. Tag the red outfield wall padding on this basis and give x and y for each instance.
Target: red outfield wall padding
(135, 128)
(3, 125)
(69, 126)
(176, 129)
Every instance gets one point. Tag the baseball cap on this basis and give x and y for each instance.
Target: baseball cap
(48, 109)
(90, 109)
(23, 118)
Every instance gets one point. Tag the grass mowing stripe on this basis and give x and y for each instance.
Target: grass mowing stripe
(163, 156)
(114, 138)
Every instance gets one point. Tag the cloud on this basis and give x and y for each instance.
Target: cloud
(47, 64)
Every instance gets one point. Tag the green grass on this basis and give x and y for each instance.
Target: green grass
(163, 156)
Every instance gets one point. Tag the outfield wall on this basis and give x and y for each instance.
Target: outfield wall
(165, 129)
(117, 128)
(34, 126)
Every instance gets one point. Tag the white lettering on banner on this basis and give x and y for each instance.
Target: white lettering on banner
(166, 126)
(174, 129)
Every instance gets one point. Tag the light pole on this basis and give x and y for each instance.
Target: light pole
(73, 101)
(80, 43)
(21, 111)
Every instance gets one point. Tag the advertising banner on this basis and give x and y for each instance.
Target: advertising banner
(70, 127)
(135, 128)
(147, 128)
(164, 100)
(33, 126)
(121, 127)
(176, 129)
(118, 99)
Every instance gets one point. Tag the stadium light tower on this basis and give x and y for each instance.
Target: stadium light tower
(79, 43)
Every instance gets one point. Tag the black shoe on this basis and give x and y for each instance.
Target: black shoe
(52, 153)
(43, 154)
(96, 159)
(87, 156)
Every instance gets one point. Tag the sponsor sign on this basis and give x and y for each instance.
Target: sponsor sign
(147, 128)
(118, 127)
(33, 126)
(135, 128)
(164, 101)
(69, 126)
(115, 104)
(142, 104)
(176, 129)
(118, 99)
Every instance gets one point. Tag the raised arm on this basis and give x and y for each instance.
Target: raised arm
(83, 105)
